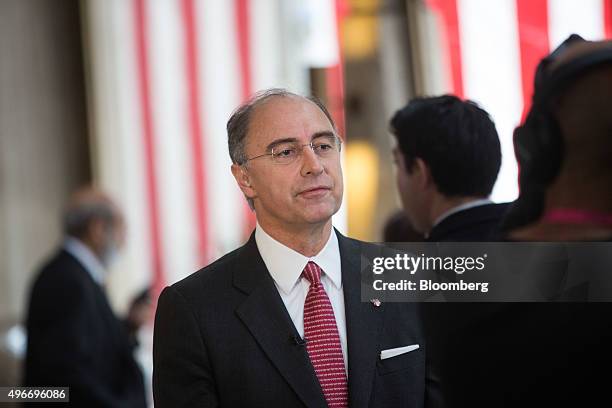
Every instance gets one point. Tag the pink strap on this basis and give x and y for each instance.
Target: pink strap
(576, 216)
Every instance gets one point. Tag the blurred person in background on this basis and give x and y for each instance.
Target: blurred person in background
(448, 157)
(74, 338)
(564, 148)
(555, 352)
(398, 228)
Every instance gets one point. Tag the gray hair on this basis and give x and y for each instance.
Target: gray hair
(78, 215)
(238, 123)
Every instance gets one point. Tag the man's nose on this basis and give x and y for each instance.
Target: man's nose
(311, 162)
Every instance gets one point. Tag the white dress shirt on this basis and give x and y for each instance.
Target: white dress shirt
(86, 258)
(286, 266)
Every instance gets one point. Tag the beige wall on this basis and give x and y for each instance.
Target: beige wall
(43, 136)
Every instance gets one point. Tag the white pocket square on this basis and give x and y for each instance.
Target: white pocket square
(397, 351)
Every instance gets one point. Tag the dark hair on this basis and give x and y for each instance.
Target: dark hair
(456, 139)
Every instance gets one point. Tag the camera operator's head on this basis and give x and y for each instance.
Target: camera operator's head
(564, 148)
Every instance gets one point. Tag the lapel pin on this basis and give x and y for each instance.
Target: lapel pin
(375, 302)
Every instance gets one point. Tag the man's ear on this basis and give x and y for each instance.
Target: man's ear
(422, 174)
(244, 181)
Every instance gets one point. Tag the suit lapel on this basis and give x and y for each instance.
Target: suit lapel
(363, 325)
(265, 315)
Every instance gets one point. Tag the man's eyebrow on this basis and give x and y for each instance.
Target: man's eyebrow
(276, 142)
(323, 133)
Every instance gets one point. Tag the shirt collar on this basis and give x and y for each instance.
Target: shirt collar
(286, 265)
(461, 207)
(86, 258)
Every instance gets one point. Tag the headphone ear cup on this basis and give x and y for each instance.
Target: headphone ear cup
(554, 148)
(539, 149)
(538, 146)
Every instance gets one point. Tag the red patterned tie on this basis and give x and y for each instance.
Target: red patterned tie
(323, 340)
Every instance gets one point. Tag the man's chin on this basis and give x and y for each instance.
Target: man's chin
(320, 215)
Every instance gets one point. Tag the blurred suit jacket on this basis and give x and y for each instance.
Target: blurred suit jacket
(476, 224)
(75, 340)
(516, 354)
(223, 338)
(456, 331)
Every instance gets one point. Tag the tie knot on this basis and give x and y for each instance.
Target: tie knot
(312, 273)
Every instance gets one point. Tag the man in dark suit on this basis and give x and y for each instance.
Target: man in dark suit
(74, 338)
(448, 156)
(279, 322)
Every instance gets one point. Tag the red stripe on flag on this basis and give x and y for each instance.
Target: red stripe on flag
(144, 90)
(335, 95)
(449, 31)
(244, 50)
(533, 42)
(334, 75)
(243, 26)
(607, 8)
(195, 127)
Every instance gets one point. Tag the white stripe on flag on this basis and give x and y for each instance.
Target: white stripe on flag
(137, 257)
(220, 88)
(584, 17)
(116, 143)
(266, 35)
(321, 48)
(491, 75)
(170, 119)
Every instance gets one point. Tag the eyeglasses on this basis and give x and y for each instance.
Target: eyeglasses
(288, 152)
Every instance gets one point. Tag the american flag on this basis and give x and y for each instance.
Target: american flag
(490, 50)
(165, 75)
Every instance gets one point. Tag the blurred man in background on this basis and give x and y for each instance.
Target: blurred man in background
(448, 156)
(74, 338)
(565, 148)
(554, 353)
(398, 228)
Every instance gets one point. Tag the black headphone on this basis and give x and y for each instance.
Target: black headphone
(538, 143)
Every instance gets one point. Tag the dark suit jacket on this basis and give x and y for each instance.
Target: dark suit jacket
(531, 355)
(516, 354)
(457, 349)
(76, 341)
(224, 338)
(476, 224)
